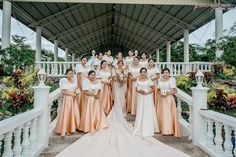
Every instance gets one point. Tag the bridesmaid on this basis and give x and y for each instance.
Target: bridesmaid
(154, 75)
(93, 117)
(120, 85)
(98, 61)
(106, 93)
(146, 120)
(167, 114)
(143, 61)
(69, 117)
(119, 57)
(108, 58)
(81, 71)
(129, 58)
(134, 74)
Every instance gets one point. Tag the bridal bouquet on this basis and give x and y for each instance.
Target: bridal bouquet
(121, 76)
(77, 91)
(93, 92)
(163, 92)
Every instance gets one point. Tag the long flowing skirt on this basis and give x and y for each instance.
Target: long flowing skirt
(93, 117)
(134, 98)
(118, 141)
(146, 121)
(69, 117)
(106, 98)
(167, 116)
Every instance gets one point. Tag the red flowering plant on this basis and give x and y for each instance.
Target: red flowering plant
(17, 97)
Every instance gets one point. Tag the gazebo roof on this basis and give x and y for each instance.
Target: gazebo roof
(82, 27)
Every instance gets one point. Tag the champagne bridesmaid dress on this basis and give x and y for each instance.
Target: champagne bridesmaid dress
(166, 112)
(134, 72)
(69, 117)
(106, 91)
(93, 117)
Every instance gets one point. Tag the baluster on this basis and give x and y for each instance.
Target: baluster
(218, 138)
(33, 135)
(48, 69)
(210, 136)
(7, 145)
(60, 99)
(44, 68)
(17, 142)
(1, 138)
(179, 108)
(190, 119)
(64, 67)
(175, 70)
(26, 142)
(228, 144)
(49, 112)
(179, 69)
(60, 69)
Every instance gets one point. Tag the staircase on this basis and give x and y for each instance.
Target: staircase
(58, 143)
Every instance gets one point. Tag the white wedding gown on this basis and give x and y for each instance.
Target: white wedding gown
(118, 141)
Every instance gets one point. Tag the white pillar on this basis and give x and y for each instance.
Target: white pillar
(218, 28)
(66, 54)
(199, 124)
(73, 57)
(186, 45)
(38, 43)
(6, 24)
(55, 50)
(157, 55)
(168, 53)
(41, 97)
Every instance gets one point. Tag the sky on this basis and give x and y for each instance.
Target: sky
(199, 36)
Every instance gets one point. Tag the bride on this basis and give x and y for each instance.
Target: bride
(117, 140)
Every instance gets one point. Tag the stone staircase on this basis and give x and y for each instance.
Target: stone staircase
(58, 143)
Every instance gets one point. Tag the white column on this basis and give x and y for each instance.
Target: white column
(38, 43)
(66, 54)
(55, 50)
(41, 101)
(199, 124)
(6, 24)
(218, 28)
(73, 57)
(186, 45)
(157, 55)
(168, 53)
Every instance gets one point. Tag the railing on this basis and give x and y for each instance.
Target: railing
(186, 125)
(56, 68)
(20, 134)
(176, 68)
(219, 133)
(56, 97)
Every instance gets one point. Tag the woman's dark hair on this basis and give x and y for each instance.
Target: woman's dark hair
(143, 69)
(103, 61)
(143, 53)
(136, 57)
(119, 52)
(84, 57)
(91, 71)
(100, 53)
(68, 70)
(150, 59)
(165, 69)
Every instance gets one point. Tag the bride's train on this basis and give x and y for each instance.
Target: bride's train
(118, 141)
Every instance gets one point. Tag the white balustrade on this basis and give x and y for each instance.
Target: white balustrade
(55, 95)
(56, 68)
(178, 68)
(219, 141)
(186, 127)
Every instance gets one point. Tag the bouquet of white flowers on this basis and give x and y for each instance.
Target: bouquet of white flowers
(163, 92)
(77, 91)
